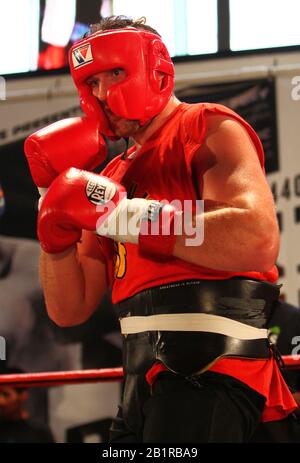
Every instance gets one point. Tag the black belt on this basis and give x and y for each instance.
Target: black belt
(243, 300)
(247, 301)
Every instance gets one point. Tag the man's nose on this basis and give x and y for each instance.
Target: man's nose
(100, 91)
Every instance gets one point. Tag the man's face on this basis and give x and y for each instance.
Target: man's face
(11, 403)
(99, 84)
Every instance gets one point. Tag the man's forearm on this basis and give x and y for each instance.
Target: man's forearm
(234, 239)
(63, 283)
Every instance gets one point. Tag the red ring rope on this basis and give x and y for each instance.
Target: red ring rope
(291, 362)
(59, 378)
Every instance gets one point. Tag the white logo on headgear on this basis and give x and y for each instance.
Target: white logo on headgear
(82, 55)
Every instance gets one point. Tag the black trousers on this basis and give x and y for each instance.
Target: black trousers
(212, 408)
(284, 431)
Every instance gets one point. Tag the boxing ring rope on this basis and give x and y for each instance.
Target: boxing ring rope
(291, 362)
(60, 378)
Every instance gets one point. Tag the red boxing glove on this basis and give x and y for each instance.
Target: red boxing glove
(71, 206)
(73, 142)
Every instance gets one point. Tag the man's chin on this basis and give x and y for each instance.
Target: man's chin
(126, 129)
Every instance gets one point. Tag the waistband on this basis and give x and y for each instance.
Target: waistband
(246, 301)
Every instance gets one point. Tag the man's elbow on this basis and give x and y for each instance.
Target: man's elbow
(63, 322)
(66, 319)
(266, 251)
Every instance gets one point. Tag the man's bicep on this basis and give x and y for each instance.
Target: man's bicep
(234, 174)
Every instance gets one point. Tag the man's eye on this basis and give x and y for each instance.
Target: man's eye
(92, 83)
(117, 71)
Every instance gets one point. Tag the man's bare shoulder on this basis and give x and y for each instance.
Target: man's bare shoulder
(228, 139)
(223, 122)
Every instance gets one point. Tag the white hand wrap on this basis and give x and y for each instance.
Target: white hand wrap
(147, 223)
(123, 222)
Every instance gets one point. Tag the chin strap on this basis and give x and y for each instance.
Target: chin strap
(126, 148)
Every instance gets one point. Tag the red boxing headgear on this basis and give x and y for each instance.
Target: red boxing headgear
(143, 55)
